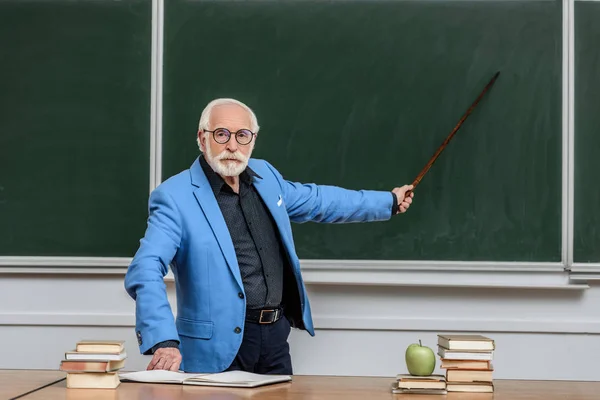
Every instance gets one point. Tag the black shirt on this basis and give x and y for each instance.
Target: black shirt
(254, 235)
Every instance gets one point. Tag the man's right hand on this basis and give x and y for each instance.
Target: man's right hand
(168, 358)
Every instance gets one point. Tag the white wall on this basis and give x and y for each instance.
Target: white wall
(550, 332)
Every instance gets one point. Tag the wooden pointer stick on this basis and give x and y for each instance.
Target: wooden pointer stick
(451, 135)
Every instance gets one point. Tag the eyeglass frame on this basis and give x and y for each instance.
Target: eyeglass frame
(252, 135)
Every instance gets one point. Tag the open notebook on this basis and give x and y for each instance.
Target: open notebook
(229, 378)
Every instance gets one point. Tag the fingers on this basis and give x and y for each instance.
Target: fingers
(153, 362)
(167, 364)
(161, 363)
(405, 204)
(165, 359)
(175, 366)
(405, 197)
(403, 191)
(172, 362)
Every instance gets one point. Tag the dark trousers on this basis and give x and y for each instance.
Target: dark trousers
(265, 349)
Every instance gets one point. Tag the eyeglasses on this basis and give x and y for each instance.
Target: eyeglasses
(222, 135)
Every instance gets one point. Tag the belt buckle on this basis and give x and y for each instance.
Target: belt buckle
(260, 319)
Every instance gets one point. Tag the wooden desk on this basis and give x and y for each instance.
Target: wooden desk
(319, 388)
(16, 382)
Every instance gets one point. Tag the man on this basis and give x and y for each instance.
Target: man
(224, 227)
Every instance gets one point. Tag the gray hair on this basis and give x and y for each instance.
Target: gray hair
(205, 117)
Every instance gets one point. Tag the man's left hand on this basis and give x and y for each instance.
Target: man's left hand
(404, 200)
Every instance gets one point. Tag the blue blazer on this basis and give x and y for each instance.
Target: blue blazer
(186, 230)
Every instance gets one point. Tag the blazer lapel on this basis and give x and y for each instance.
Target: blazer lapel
(274, 201)
(206, 199)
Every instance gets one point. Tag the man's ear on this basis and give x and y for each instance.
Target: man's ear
(202, 140)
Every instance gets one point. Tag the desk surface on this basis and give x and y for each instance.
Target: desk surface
(302, 388)
(16, 382)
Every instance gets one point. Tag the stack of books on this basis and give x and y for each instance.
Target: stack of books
(467, 360)
(432, 384)
(94, 364)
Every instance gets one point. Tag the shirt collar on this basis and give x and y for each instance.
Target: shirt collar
(215, 180)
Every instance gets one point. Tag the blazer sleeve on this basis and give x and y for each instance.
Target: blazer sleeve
(144, 279)
(331, 204)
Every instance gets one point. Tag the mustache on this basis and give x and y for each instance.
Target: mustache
(226, 155)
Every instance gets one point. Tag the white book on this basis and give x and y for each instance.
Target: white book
(75, 355)
(465, 355)
(228, 378)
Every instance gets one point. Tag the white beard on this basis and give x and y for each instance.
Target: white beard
(227, 168)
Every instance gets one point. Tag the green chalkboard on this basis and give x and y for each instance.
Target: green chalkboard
(74, 126)
(360, 94)
(587, 132)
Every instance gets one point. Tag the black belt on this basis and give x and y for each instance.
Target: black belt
(264, 315)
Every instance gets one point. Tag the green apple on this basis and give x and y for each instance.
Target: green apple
(420, 360)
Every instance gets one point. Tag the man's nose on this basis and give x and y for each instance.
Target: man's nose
(232, 145)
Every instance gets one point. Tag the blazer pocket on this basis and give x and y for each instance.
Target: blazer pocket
(195, 329)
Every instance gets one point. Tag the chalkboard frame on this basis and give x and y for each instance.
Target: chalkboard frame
(29, 263)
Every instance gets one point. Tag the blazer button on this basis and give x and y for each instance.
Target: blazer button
(237, 329)
(241, 295)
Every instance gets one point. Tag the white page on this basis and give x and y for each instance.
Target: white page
(239, 376)
(157, 376)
